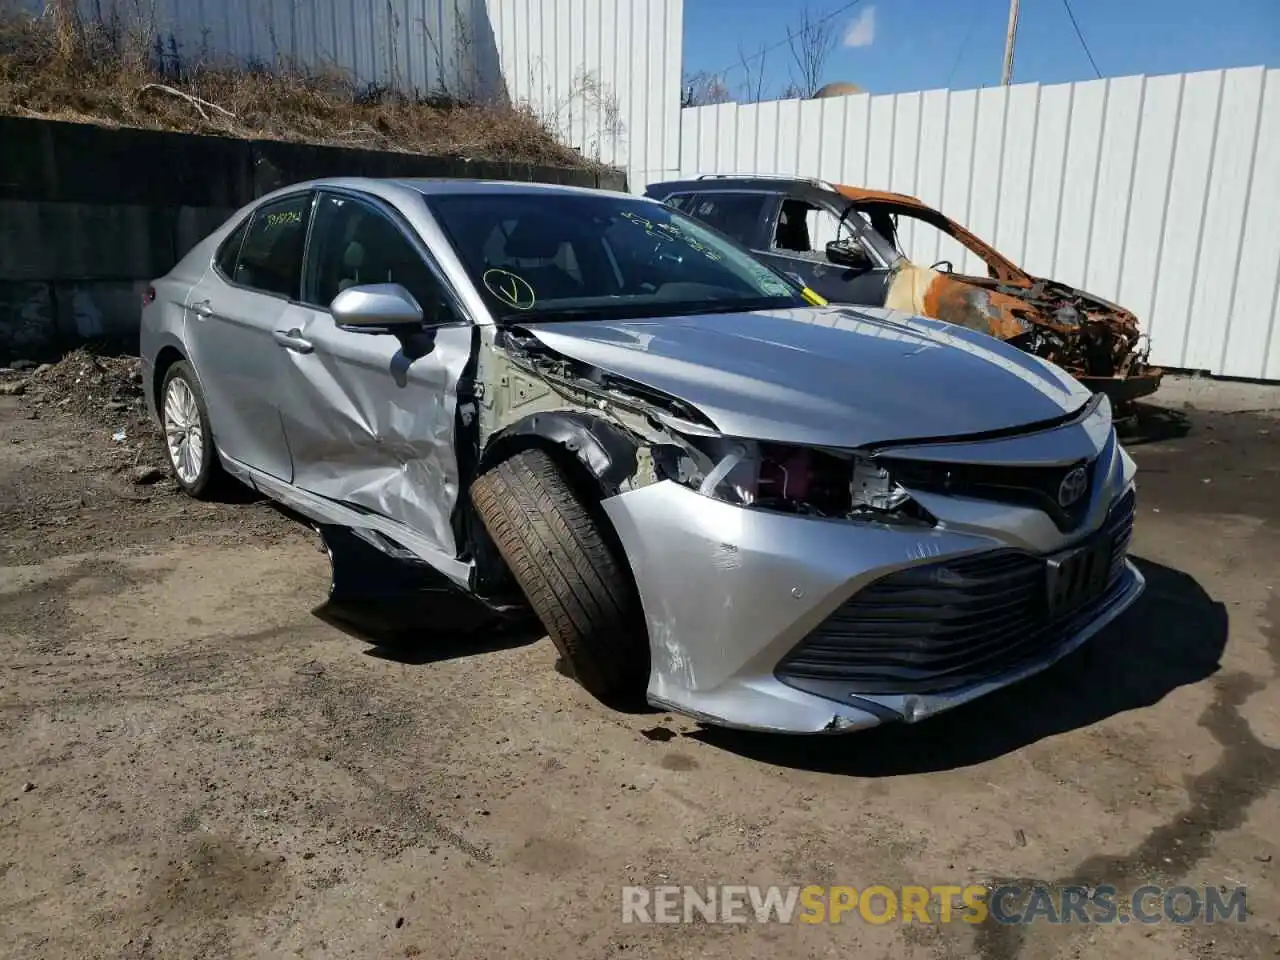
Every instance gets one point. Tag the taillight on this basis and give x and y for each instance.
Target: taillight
(148, 295)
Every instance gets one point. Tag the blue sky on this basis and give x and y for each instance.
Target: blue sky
(901, 45)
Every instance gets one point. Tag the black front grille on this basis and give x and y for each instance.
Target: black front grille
(942, 625)
(1027, 486)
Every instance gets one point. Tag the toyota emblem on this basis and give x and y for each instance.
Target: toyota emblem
(1072, 487)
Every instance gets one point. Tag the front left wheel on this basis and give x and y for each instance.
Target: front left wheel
(187, 437)
(574, 578)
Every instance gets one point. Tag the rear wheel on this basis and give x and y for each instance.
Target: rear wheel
(187, 437)
(572, 576)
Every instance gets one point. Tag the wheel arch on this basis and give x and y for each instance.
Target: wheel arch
(595, 453)
(166, 357)
(595, 457)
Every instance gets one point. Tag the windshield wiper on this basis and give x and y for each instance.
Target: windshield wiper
(645, 311)
(742, 306)
(568, 314)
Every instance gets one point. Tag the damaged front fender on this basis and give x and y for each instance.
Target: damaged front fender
(605, 449)
(1097, 342)
(930, 293)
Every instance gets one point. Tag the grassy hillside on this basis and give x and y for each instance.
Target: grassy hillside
(112, 74)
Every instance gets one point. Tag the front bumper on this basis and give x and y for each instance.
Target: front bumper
(1122, 391)
(729, 593)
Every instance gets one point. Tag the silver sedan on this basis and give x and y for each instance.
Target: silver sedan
(714, 491)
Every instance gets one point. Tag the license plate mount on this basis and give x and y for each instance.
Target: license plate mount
(1078, 576)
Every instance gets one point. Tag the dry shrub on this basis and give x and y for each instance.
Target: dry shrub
(119, 75)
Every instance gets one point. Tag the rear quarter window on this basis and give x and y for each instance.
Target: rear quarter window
(736, 215)
(229, 252)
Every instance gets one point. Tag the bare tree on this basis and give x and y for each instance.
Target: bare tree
(811, 43)
(753, 68)
(702, 88)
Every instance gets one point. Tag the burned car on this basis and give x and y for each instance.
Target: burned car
(710, 492)
(843, 242)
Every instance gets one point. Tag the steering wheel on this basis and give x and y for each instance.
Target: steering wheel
(950, 267)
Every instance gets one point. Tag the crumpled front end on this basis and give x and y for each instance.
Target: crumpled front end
(805, 624)
(1098, 342)
(755, 542)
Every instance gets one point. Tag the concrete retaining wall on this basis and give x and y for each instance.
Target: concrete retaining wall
(88, 215)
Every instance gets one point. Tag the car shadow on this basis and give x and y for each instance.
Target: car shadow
(238, 493)
(420, 638)
(1151, 424)
(1173, 636)
(407, 612)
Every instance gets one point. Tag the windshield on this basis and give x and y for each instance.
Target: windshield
(549, 256)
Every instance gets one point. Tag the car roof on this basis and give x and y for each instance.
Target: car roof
(856, 194)
(863, 195)
(443, 186)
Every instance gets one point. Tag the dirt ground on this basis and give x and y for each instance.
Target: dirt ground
(195, 764)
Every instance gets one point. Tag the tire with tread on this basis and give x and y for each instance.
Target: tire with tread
(212, 478)
(576, 582)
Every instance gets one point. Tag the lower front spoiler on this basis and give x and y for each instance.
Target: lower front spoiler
(1122, 391)
(796, 711)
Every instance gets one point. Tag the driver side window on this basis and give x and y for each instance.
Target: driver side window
(353, 244)
(805, 229)
(925, 244)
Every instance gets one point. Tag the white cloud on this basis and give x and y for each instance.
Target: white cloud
(862, 29)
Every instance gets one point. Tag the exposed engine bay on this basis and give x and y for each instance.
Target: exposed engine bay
(646, 436)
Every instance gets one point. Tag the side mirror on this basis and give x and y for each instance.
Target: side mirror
(376, 306)
(845, 254)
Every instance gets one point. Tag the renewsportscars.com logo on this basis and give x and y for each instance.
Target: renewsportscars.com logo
(879, 904)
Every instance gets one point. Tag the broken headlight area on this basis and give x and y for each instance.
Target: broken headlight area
(789, 479)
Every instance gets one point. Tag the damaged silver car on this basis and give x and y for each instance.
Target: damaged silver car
(713, 493)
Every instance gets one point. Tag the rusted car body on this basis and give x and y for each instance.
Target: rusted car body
(785, 219)
(1096, 341)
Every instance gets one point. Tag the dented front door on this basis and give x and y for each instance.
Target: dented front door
(369, 417)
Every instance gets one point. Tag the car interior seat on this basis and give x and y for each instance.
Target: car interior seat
(534, 250)
(793, 228)
(352, 261)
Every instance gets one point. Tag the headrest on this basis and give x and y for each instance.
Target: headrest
(353, 256)
(533, 239)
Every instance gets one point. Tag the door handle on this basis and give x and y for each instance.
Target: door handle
(292, 340)
(202, 308)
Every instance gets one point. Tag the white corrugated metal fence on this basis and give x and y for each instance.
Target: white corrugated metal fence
(604, 73)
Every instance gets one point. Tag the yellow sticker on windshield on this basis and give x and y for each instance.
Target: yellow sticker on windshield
(815, 299)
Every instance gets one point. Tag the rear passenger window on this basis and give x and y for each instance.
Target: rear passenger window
(271, 256)
(680, 201)
(736, 215)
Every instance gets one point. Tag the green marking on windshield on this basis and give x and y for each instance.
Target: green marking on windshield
(669, 231)
(510, 288)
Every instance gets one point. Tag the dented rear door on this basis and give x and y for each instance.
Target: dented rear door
(369, 417)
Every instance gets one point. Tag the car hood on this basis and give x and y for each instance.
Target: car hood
(835, 376)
